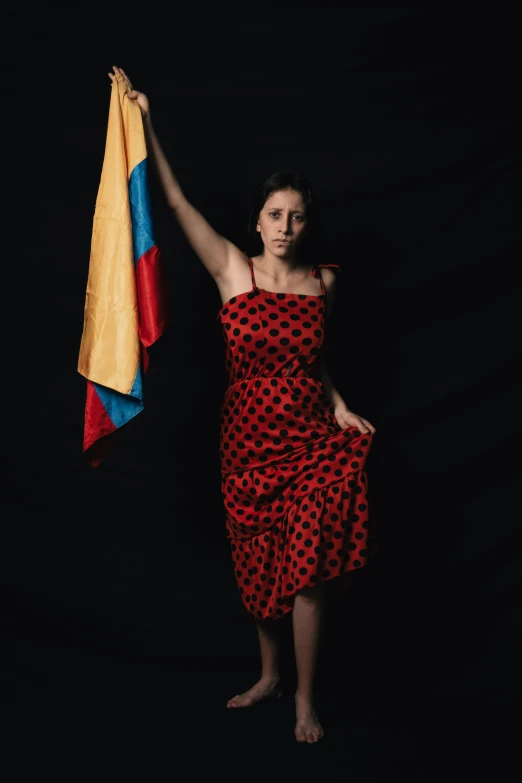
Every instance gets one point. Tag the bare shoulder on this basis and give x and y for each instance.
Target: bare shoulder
(329, 281)
(329, 277)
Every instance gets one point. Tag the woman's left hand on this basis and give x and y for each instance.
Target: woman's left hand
(346, 418)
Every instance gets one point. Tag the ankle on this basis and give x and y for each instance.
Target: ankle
(271, 677)
(303, 697)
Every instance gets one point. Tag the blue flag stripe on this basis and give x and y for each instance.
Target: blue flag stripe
(141, 213)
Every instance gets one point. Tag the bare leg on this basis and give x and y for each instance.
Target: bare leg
(267, 686)
(307, 616)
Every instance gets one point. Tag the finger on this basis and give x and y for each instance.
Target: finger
(127, 78)
(121, 72)
(111, 77)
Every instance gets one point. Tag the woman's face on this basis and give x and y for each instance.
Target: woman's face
(282, 222)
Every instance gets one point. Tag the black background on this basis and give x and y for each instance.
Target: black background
(121, 621)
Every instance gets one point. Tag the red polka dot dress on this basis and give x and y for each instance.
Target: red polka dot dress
(293, 482)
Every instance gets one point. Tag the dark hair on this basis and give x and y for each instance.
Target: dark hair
(288, 180)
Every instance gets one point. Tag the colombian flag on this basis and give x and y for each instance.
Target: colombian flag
(125, 304)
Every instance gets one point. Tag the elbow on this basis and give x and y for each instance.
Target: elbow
(177, 204)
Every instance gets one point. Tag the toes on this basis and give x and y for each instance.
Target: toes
(308, 735)
(239, 701)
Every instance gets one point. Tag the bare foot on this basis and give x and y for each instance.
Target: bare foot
(264, 689)
(307, 727)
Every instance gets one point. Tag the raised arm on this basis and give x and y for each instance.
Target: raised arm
(215, 252)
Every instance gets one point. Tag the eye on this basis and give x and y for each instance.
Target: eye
(274, 214)
(300, 218)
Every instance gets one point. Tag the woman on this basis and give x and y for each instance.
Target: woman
(292, 453)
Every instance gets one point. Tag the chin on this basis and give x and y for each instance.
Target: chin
(283, 251)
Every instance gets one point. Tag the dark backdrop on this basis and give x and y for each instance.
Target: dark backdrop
(117, 587)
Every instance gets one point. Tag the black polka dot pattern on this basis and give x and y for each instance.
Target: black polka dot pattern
(293, 482)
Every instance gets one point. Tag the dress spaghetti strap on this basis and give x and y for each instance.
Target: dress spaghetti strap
(317, 273)
(251, 265)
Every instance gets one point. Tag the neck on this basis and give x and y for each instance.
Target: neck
(275, 267)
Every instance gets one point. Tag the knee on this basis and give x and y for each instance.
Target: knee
(311, 594)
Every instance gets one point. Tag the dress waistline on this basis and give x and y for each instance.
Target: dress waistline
(286, 378)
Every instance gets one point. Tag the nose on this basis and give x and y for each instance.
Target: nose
(286, 225)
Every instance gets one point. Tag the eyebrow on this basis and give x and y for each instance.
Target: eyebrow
(278, 209)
